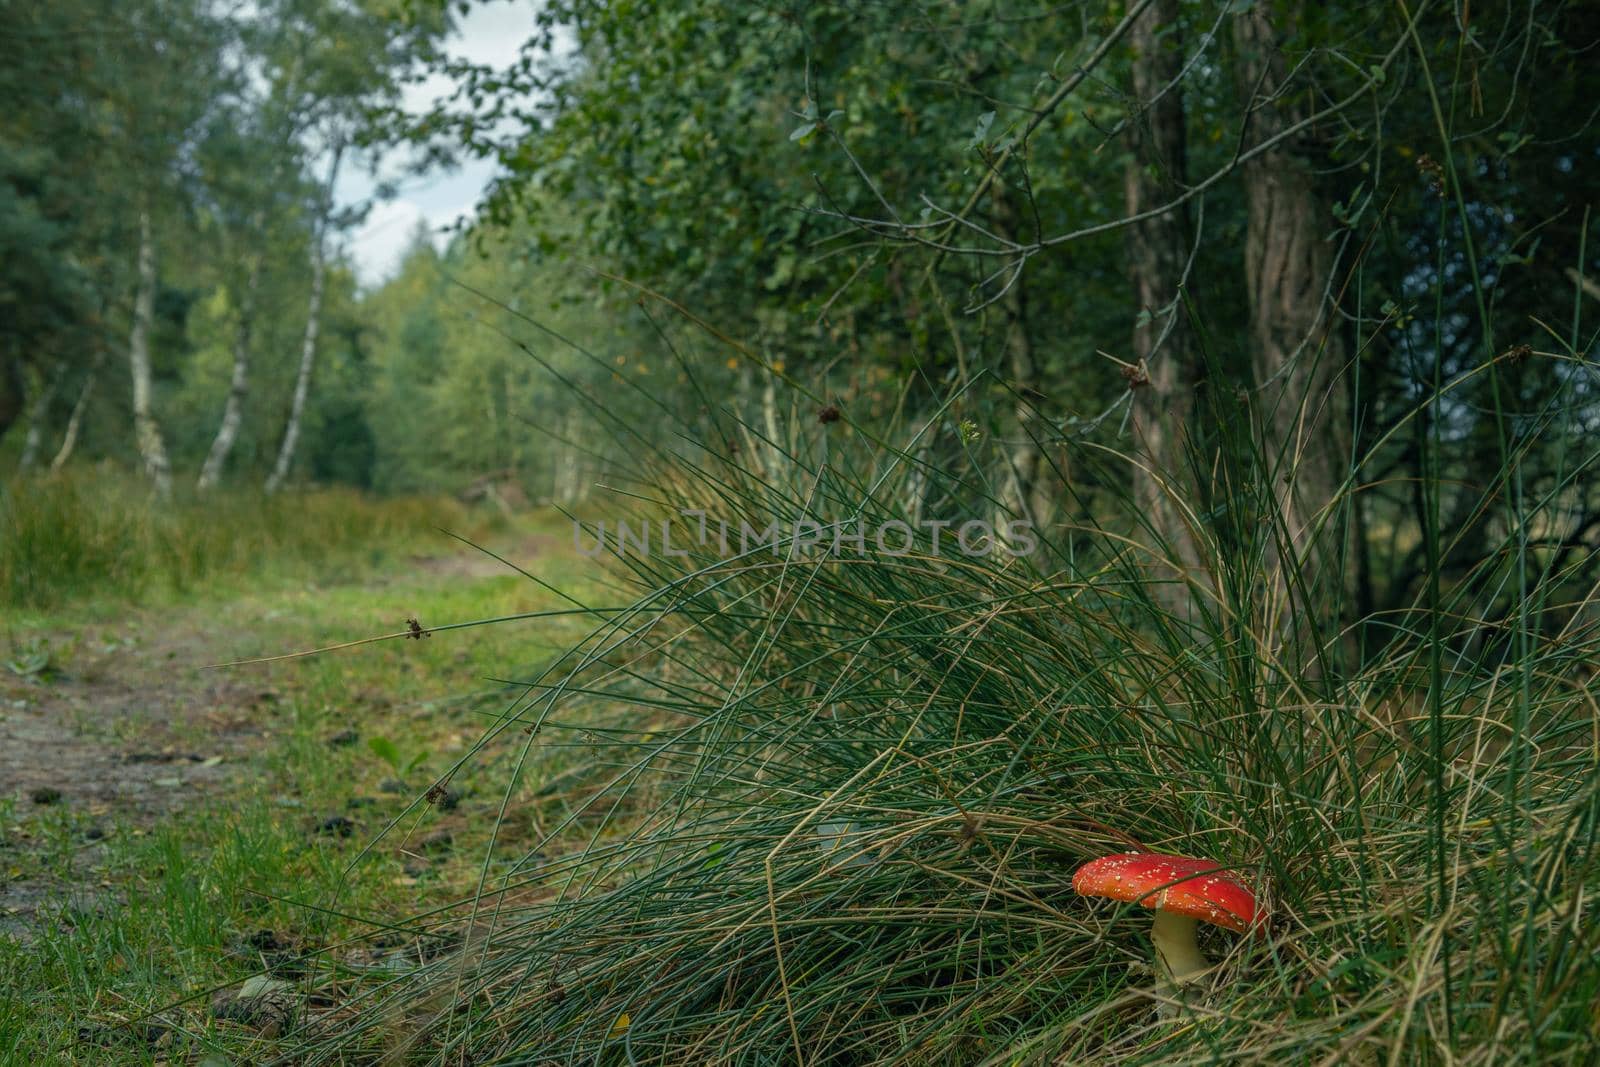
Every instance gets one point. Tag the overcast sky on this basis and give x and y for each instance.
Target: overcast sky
(493, 33)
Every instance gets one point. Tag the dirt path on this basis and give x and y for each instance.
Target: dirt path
(125, 726)
(123, 731)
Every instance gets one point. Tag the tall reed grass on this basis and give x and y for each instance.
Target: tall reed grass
(98, 533)
(835, 800)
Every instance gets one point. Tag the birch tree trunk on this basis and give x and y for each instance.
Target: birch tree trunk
(69, 439)
(302, 383)
(1157, 251)
(238, 387)
(567, 478)
(308, 343)
(1289, 267)
(147, 431)
(917, 483)
(38, 412)
(769, 416)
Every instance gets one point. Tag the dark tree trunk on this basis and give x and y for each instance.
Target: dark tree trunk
(1023, 483)
(1024, 495)
(12, 394)
(1157, 251)
(1298, 358)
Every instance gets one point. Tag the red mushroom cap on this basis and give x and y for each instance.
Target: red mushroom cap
(1199, 889)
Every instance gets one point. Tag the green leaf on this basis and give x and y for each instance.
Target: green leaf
(29, 664)
(981, 134)
(802, 131)
(1522, 259)
(385, 750)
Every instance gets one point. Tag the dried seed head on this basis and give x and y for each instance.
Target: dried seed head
(1431, 170)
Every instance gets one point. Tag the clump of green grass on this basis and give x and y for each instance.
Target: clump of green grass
(125, 974)
(834, 802)
(95, 534)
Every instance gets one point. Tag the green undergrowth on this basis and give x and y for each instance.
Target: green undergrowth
(99, 536)
(150, 922)
(834, 799)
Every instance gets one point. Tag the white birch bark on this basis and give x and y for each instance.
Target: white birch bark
(308, 343)
(238, 387)
(69, 438)
(917, 483)
(567, 476)
(38, 411)
(147, 431)
(769, 415)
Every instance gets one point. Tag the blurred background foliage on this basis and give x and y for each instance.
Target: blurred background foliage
(935, 216)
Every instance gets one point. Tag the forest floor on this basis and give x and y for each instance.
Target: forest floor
(168, 826)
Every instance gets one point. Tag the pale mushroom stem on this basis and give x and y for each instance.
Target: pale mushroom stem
(1177, 953)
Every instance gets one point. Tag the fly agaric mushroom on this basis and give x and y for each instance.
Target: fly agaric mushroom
(1183, 892)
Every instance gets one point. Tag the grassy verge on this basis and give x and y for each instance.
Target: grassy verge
(95, 536)
(154, 918)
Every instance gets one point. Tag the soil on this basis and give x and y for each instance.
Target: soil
(127, 731)
(470, 562)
